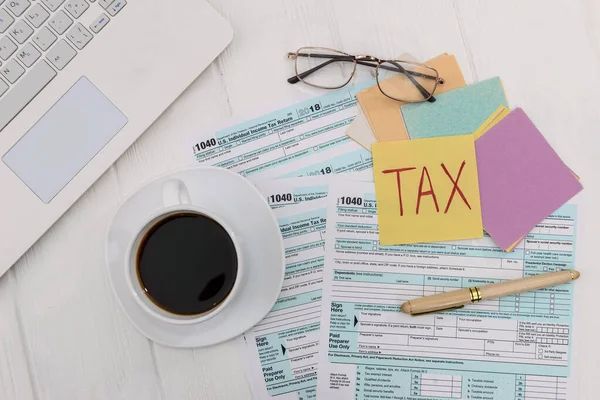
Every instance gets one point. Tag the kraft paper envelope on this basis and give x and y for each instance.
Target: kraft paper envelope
(360, 131)
(427, 190)
(521, 178)
(384, 114)
(454, 113)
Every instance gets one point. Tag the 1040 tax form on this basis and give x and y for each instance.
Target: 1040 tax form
(515, 348)
(280, 352)
(304, 139)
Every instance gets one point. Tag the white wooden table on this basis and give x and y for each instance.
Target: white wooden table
(62, 333)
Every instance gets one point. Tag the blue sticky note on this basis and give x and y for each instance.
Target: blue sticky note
(457, 112)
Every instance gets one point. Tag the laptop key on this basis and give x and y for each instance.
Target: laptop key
(105, 3)
(53, 4)
(76, 7)
(44, 38)
(116, 6)
(37, 15)
(28, 55)
(3, 87)
(61, 54)
(79, 36)
(6, 20)
(7, 48)
(18, 7)
(60, 22)
(21, 31)
(22, 93)
(99, 23)
(12, 71)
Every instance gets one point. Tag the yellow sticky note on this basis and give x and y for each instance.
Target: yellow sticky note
(512, 246)
(427, 190)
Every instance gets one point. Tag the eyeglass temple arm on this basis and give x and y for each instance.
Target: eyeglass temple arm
(424, 93)
(334, 58)
(295, 79)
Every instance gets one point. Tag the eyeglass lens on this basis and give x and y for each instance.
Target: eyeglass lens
(328, 69)
(405, 81)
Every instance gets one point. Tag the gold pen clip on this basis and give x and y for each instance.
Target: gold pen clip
(437, 311)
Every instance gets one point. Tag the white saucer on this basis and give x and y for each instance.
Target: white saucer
(245, 211)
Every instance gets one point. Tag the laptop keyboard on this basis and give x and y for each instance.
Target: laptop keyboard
(38, 39)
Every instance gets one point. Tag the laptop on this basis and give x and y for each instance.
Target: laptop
(80, 80)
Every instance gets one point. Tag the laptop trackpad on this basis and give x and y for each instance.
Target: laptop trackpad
(65, 139)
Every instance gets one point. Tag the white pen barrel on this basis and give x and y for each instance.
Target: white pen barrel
(508, 288)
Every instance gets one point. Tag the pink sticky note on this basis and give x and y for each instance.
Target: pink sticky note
(521, 178)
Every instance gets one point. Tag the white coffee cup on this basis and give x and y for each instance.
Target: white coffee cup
(175, 198)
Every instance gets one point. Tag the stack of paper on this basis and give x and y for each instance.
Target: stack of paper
(521, 178)
(336, 331)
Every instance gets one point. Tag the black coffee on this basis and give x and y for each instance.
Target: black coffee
(187, 264)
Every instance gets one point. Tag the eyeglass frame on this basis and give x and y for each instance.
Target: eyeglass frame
(365, 60)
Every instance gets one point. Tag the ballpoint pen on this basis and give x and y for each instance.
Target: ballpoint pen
(459, 298)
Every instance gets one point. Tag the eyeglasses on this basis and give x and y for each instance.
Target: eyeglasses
(404, 81)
